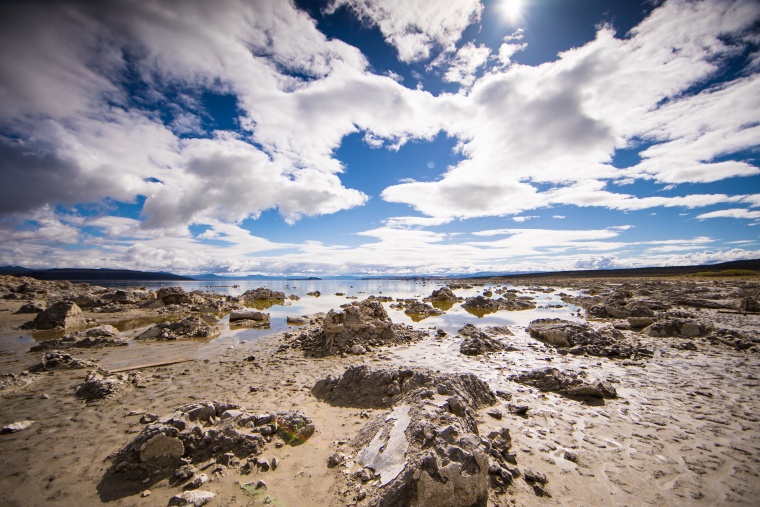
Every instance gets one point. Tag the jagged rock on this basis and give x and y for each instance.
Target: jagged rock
(564, 383)
(678, 327)
(61, 315)
(365, 387)
(195, 498)
(359, 322)
(30, 308)
(443, 295)
(189, 327)
(296, 320)
(55, 360)
(426, 450)
(483, 305)
(98, 387)
(419, 311)
(263, 294)
(100, 336)
(199, 432)
(480, 343)
(173, 296)
(582, 338)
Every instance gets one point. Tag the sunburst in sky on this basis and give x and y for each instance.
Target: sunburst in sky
(513, 11)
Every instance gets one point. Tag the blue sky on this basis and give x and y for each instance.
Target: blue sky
(378, 136)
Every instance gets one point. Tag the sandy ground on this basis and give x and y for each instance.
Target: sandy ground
(683, 431)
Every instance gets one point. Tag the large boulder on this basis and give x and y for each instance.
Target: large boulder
(63, 315)
(359, 322)
(443, 295)
(426, 449)
(173, 296)
(365, 387)
(263, 294)
(189, 327)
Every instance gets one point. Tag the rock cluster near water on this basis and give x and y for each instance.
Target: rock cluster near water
(188, 327)
(356, 328)
(94, 337)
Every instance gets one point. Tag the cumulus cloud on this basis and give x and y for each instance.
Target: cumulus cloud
(462, 66)
(416, 27)
(547, 134)
(730, 213)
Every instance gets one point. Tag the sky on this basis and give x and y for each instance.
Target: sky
(378, 137)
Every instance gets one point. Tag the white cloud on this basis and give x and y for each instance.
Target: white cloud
(559, 217)
(416, 27)
(462, 66)
(730, 213)
(546, 135)
(525, 218)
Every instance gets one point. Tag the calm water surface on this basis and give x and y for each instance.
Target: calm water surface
(350, 290)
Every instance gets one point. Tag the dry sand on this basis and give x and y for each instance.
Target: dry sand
(683, 431)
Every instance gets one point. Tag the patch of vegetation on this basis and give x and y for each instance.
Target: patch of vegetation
(728, 272)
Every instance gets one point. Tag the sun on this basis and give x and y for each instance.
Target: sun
(512, 10)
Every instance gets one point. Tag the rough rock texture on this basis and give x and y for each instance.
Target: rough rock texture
(30, 308)
(201, 431)
(61, 315)
(471, 329)
(357, 323)
(564, 383)
(426, 450)
(195, 498)
(56, 360)
(98, 387)
(101, 336)
(189, 327)
(173, 296)
(478, 344)
(582, 338)
(443, 295)
(678, 327)
(419, 310)
(365, 387)
(263, 294)
(483, 305)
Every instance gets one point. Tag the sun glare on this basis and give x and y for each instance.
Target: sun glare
(512, 10)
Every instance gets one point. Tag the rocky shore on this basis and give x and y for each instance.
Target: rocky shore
(646, 396)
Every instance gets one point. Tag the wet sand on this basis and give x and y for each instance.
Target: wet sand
(683, 431)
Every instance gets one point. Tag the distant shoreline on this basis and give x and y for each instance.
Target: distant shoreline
(733, 268)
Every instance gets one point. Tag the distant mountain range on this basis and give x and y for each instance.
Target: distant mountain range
(128, 275)
(91, 275)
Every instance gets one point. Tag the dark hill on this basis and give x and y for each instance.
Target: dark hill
(753, 265)
(92, 275)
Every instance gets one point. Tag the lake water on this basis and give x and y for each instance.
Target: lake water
(357, 290)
